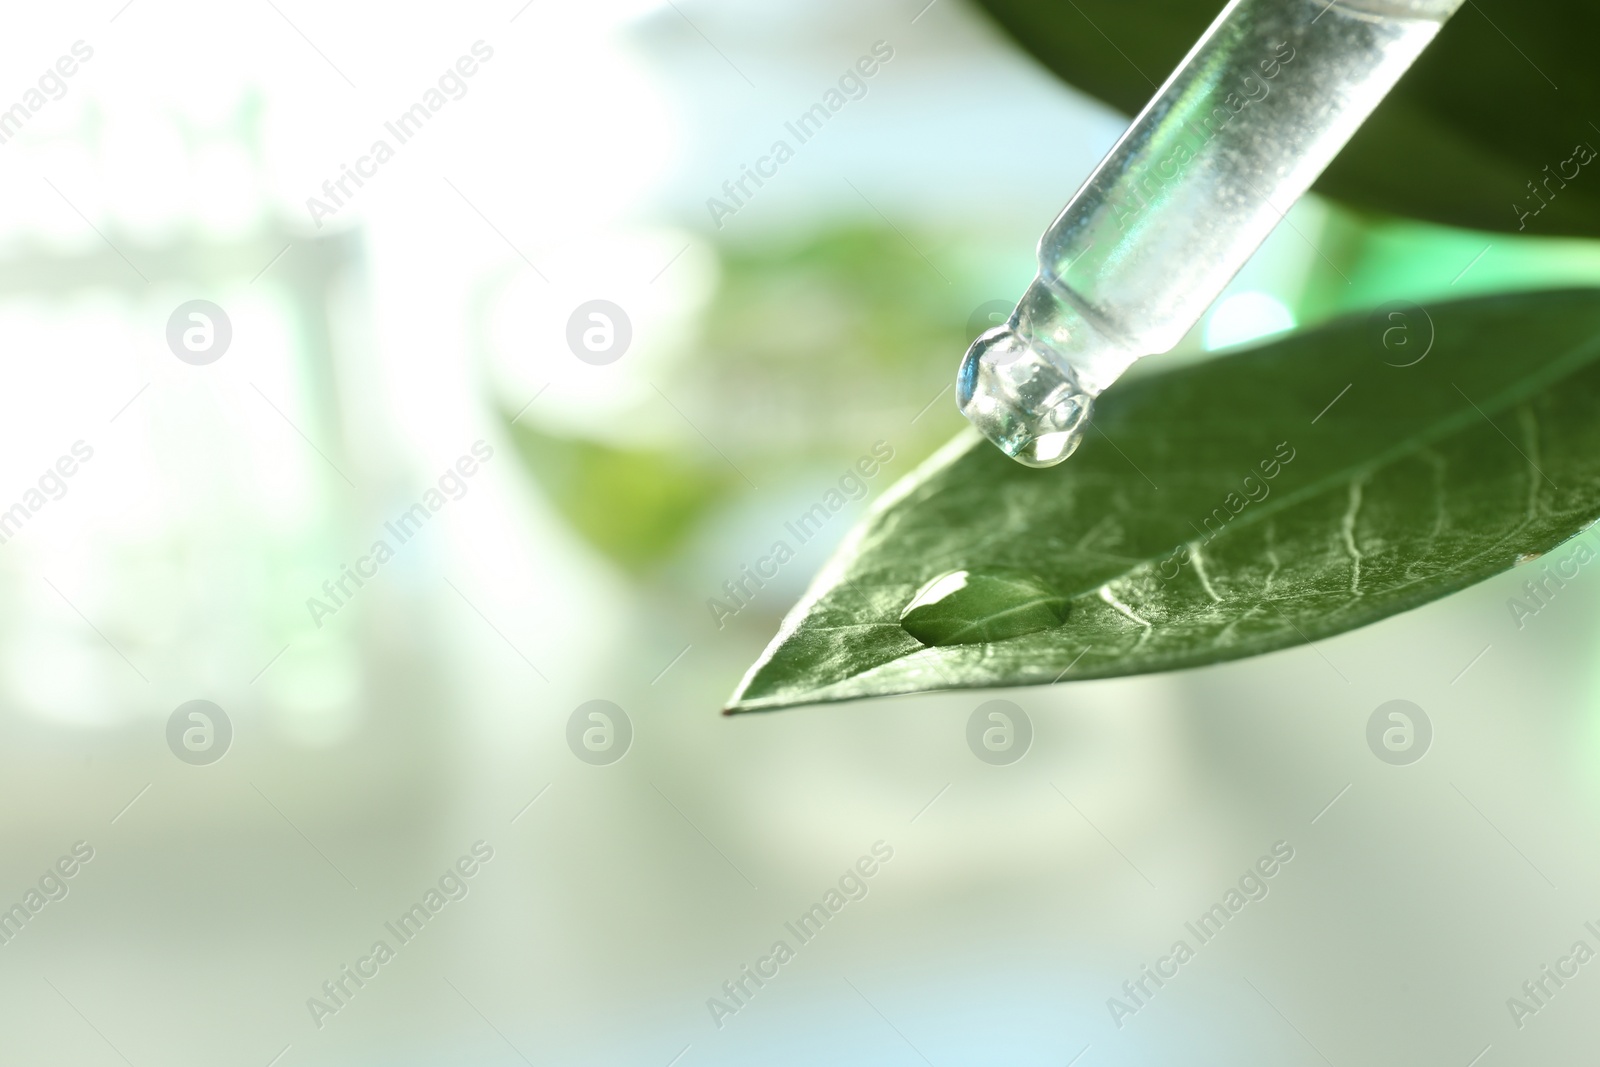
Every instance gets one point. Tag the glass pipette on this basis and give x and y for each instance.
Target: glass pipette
(1251, 117)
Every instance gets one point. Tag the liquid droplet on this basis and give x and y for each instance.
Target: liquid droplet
(969, 607)
(1031, 407)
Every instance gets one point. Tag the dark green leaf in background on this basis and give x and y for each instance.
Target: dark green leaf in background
(1226, 509)
(1506, 89)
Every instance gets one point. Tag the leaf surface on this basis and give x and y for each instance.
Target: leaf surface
(1251, 503)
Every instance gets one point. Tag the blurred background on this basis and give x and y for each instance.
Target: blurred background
(418, 338)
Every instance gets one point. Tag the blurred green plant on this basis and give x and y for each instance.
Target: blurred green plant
(805, 354)
(635, 506)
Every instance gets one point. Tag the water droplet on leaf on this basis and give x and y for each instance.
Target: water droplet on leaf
(969, 607)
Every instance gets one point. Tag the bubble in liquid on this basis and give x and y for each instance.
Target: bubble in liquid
(969, 607)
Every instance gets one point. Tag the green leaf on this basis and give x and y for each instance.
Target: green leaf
(1251, 503)
(1477, 118)
(636, 506)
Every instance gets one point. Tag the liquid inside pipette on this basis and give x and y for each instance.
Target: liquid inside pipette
(1256, 111)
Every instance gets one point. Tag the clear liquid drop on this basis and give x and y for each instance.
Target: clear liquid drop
(1031, 407)
(1030, 385)
(969, 607)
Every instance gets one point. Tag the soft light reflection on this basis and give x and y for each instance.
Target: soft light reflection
(1243, 317)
